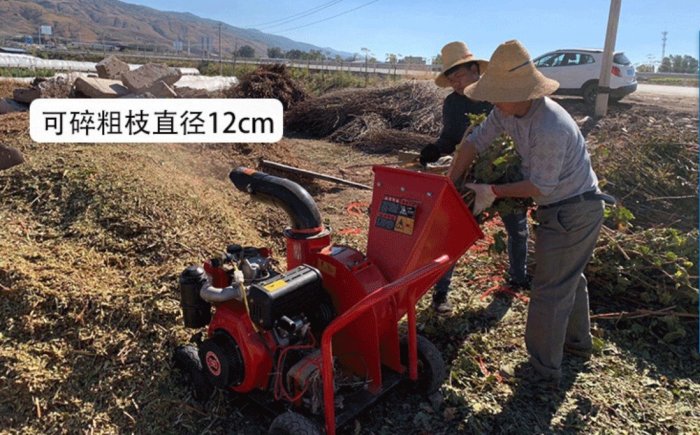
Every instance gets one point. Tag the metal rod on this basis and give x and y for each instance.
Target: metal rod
(282, 167)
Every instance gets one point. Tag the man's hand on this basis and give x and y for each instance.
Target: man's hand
(429, 154)
(485, 196)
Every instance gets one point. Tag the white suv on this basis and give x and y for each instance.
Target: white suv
(578, 71)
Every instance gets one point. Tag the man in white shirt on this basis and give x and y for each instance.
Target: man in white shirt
(558, 176)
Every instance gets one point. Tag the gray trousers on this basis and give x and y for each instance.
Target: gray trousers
(558, 310)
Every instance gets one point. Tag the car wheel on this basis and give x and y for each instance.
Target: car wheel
(590, 92)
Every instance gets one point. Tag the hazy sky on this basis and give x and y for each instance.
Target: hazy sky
(421, 28)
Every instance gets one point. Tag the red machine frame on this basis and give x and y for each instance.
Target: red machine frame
(419, 226)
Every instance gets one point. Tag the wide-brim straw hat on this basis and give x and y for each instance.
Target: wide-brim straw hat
(453, 54)
(511, 77)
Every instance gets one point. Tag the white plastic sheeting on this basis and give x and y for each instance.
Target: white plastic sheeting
(9, 60)
(203, 82)
(195, 82)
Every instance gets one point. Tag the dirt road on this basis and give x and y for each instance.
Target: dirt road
(673, 91)
(681, 98)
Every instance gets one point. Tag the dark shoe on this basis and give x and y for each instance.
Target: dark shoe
(517, 285)
(577, 351)
(441, 305)
(530, 375)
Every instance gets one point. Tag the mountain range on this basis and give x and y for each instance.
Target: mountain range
(123, 24)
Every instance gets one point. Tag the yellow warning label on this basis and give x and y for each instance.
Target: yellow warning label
(275, 285)
(404, 225)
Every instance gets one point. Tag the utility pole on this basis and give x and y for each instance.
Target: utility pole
(663, 45)
(601, 102)
(366, 50)
(221, 51)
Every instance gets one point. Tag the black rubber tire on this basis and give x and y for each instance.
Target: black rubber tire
(292, 423)
(431, 365)
(186, 359)
(590, 92)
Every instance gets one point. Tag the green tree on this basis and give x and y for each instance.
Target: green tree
(691, 64)
(645, 68)
(316, 55)
(665, 65)
(295, 54)
(679, 64)
(246, 51)
(275, 53)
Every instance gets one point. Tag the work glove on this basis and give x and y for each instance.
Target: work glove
(485, 196)
(429, 154)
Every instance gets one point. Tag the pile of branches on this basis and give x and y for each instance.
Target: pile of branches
(652, 169)
(372, 133)
(270, 81)
(653, 268)
(410, 107)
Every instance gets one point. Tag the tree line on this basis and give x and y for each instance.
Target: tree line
(674, 64)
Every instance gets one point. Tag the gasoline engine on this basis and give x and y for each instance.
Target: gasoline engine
(286, 310)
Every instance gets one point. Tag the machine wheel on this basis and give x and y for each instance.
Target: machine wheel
(431, 366)
(222, 361)
(293, 424)
(187, 361)
(590, 92)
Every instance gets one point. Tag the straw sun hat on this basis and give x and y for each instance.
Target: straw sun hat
(511, 77)
(453, 54)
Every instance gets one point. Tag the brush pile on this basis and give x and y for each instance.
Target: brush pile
(371, 133)
(270, 81)
(372, 117)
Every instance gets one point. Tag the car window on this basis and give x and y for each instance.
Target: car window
(621, 59)
(571, 59)
(546, 60)
(586, 58)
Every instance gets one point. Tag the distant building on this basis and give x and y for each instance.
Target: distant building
(413, 60)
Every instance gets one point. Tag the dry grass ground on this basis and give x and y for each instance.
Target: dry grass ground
(92, 239)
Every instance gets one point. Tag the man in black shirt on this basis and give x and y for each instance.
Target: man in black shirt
(460, 69)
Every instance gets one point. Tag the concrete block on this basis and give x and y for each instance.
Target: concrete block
(112, 68)
(144, 77)
(26, 95)
(161, 90)
(100, 88)
(189, 92)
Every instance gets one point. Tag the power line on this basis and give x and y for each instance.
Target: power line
(328, 18)
(296, 16)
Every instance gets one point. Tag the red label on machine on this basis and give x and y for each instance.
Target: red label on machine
(396, 214)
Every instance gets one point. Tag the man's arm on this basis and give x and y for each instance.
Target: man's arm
(464, 157)
(519, 189)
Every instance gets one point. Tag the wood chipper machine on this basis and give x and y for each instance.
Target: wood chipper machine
(320, 342)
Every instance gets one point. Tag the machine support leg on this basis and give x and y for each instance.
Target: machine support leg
(412, 347)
